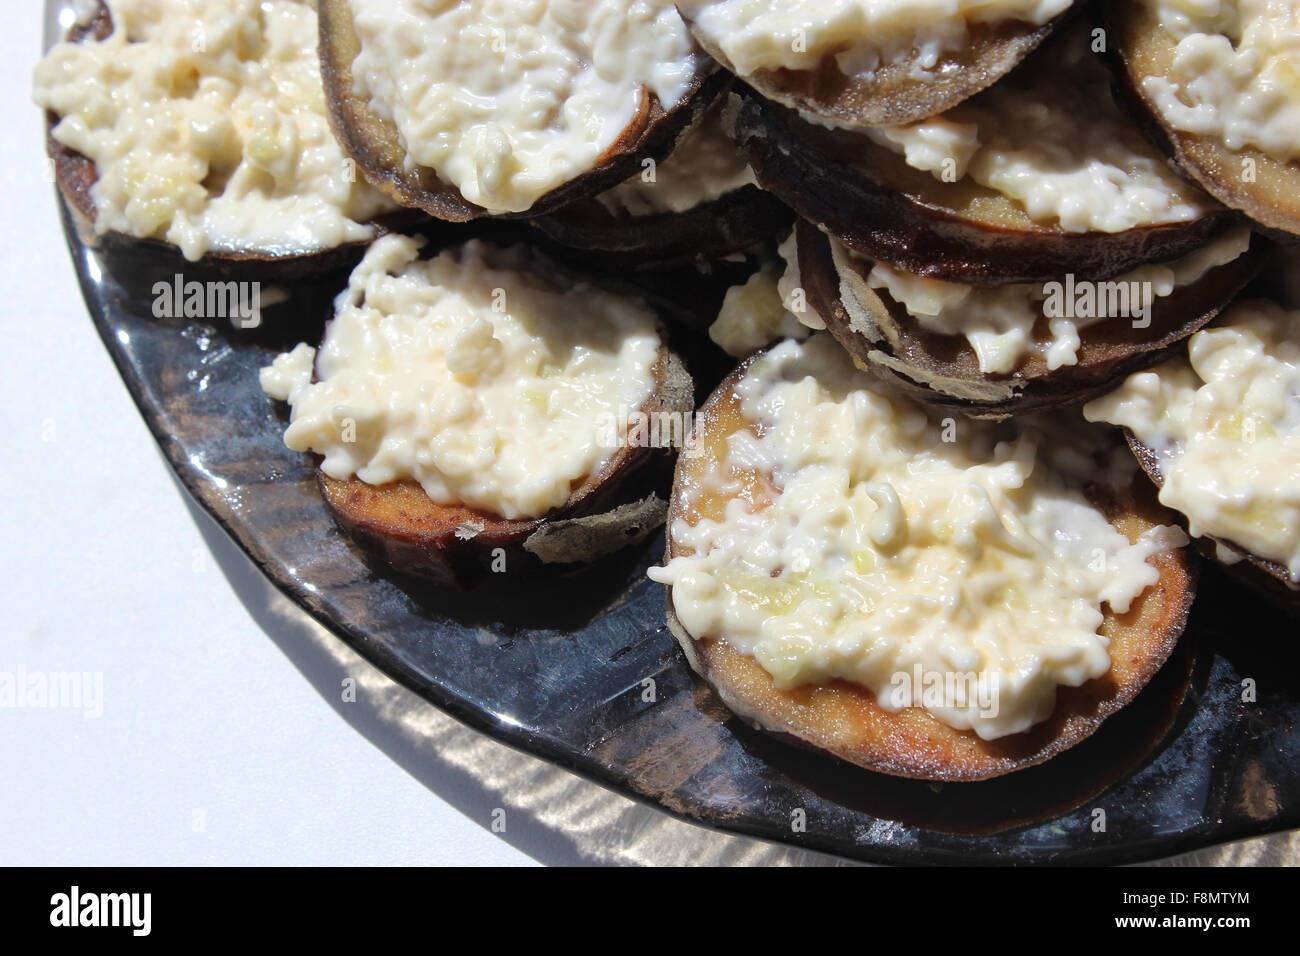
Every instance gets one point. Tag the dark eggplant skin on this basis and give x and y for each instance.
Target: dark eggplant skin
(376, 146)
(1271, 201)
(75, 174)
(894, 95)
(735, 222)
(870, 200)
(1269, 579)
(847, 722)
(1108, 353)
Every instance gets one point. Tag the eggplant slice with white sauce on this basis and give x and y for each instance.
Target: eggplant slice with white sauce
(1214, 429)
(375, 141)
(846, 719)
(893, 93)
(426, 384)
(950, 215)
(76, 175)
(1261, 184)
(944, 369)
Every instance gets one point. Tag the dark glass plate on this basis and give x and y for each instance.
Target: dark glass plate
(580, 668)
(561, 667)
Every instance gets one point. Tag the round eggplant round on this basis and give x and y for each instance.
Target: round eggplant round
(455, 546)
(75, 174)
(902, 92)
(846, 721)
(1262, 187)
(872, 201)
(1266, 577)
(943, 370)
(376, 145)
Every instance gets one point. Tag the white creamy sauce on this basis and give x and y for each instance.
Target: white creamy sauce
(704, 167)
(763, 309)
(1062, 151)
(509, 100)
(885, 548)
(753, 315)
(1225, 420)
(998, 321)
(480, 373)
(790, 285)
(1235, 73)
(861, 35)
(206, 123)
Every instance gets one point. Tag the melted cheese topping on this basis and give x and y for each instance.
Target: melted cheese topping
(1235, 73)
(998, 321)
(206, 122)
(479, 374)
(1225, 421)
(861, 35)
(704, 167)
(883, 548)
(508, 100)
(1059, 148)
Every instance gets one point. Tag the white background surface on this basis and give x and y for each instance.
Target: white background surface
(223, 738)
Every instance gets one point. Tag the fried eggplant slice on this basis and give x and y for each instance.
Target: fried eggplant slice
(479, 407)
(872, 201)
(1268, 578)
(1263, 187)
(944, 370)
(1213, 428)
(75, 175)
(900, 92)
(376, 144)
(456, 546)
(846, 720)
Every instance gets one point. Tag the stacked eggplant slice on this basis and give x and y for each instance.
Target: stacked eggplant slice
(1216, 89)
(957, 247)
(867, 90)
(986, 258)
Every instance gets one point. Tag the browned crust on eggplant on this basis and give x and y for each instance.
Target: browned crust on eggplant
(885, 340)
(1269, 578)
(1141, 48)
(732, 223)
(894, 95)
(873, 202)
(844, 719)
(75, 175)
(615, 506)
(376, 144)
